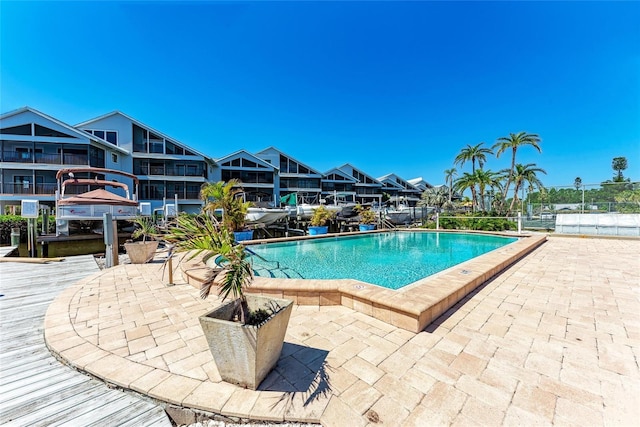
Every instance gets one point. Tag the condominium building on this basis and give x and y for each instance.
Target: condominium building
(168, 170)
(367, 188)
(35, 146)
(400, 190)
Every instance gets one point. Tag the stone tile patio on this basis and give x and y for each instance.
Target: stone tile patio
(555, 339)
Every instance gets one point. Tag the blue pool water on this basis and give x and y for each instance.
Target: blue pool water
(392, 260)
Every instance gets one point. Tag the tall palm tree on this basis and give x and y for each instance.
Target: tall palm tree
(484, 179)
(523, 175)
(513, 142)
(475, 153)
(467, 181)
(448, 177)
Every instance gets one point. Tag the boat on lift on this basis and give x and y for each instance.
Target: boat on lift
(265, 216)
(301, 206)
(93, 204)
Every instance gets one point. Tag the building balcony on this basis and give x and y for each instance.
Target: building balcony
(41, 158)
(46, 189)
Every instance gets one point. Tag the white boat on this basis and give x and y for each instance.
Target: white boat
(301, 206)
(265, 216)
(305, 211)
(405, 214)
(398, 217)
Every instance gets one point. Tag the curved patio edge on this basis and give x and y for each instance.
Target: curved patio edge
(66, 334)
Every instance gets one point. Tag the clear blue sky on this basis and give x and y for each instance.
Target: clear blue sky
(389, 87)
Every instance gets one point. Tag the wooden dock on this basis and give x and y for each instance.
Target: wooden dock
(35, 388)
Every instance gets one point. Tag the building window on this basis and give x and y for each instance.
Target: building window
(108, 135)
(114, 158)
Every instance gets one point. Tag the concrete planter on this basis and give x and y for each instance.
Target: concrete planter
(246, 354)
(141, 252)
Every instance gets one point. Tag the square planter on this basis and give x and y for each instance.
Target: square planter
(141, 252)
(244, 354)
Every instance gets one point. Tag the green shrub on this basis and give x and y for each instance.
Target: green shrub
(474, 222)
(7, 222)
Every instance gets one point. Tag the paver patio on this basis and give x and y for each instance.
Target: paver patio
(555, 339)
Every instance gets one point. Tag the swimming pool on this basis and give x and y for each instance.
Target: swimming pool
(391, 260)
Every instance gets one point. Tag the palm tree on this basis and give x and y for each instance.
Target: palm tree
(435, 196)
(619, 164)
(473, 153)
(448, 177)
(467, 181)
(525, 174)
(224, 195)
(577, 182)
(484, 179)
(513, 142)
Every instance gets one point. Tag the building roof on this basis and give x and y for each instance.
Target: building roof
(147, 127)
(312, 170)
(246, 154)
(78, 132)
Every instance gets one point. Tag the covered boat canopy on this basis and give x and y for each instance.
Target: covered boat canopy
(97, 197)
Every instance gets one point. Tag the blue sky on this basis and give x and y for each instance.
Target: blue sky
(387, 86)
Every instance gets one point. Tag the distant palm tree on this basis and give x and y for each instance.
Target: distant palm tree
(513, 142)
(435, 196)
(577, 182)
(475, 153)
(448, 177)
(619, 164)
(525, 174)
(467, 181)
(484, 179)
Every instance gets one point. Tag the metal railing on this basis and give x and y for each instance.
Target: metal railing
(29, 188)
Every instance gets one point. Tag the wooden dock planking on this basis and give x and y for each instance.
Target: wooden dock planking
(35, 388)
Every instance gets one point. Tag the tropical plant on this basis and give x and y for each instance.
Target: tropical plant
(513, 142)
(525, 174)
(577, 182)
(467, 181)
(145, 228)
(204, 234)
(367, 216)
(619, 164)
(225, 196)
(449, 174)
(320, 216)
(473, 153)
(486, 179)
(435, 196)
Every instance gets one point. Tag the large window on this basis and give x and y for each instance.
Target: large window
(96, 157)
(110, 136)
(299, 183)
(248, 177)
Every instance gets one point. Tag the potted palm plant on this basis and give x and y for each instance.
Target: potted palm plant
(225, 198)
(367, 218)
(318, 220)
(143, 251)
(246, 333)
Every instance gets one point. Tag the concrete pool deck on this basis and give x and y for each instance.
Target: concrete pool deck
(554, 339)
